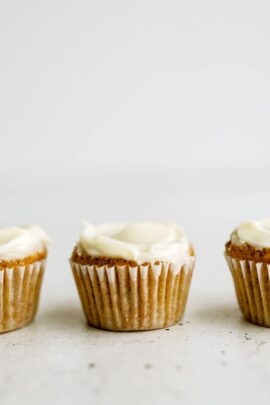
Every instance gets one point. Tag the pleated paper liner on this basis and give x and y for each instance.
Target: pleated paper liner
(125, 298)
(19, 294)
(252, 286)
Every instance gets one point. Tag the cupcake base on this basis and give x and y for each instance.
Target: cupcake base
(252, 286)
(19, 294)
(126, 298)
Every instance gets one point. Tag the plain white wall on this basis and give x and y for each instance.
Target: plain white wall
(92, 85)
(130, 110)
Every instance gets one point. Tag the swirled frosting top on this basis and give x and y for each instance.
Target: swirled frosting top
(253, 233)
(140, 242)
(21, 242)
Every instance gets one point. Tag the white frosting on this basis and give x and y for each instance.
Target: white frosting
(254, 233)
(20, 242)
(140, 242)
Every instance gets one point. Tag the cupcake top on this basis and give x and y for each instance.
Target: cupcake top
(144, 242)
(17, 243)
(253, 233)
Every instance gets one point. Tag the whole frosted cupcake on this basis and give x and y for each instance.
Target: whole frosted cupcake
(23, 251)
(133, 276)
(248, 256)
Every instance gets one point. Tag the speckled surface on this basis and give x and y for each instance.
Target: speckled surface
(205, 359)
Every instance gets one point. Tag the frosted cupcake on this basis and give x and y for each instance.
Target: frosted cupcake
(248, 256)
(133, 276)
(23, 251)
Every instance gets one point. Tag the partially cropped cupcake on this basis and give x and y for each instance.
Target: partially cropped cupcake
(133, 276)
(248, 256)
(23, 251)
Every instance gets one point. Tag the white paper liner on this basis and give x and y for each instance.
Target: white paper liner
(252, 286)
(127, 298)
(19, 294)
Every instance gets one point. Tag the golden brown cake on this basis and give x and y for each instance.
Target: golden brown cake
(133, 277)
(248, 256)
(23, 251)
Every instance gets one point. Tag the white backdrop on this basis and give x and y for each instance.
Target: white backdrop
(134, 85)
(138, 110)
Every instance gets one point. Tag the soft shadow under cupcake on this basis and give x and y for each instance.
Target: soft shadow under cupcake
(62, 316)
(212, 312)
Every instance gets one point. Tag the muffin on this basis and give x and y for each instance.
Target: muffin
(23, 251)
(133, 276)
(248, 256)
